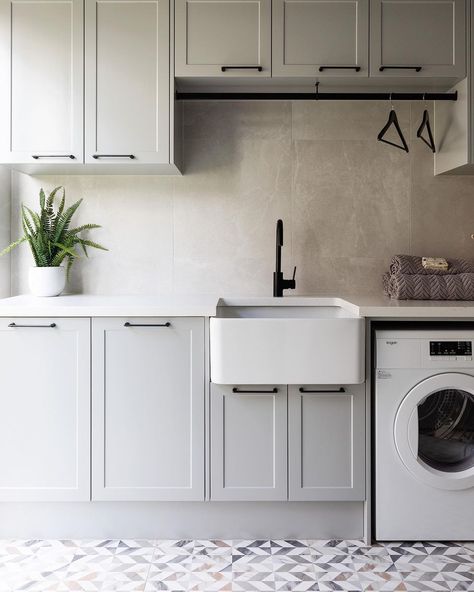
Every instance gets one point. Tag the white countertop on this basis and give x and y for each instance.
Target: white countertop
(205, 306)
(83, 305)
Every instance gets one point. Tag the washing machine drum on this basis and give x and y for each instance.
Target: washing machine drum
(434, 431)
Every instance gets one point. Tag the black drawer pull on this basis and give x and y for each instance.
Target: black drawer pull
(15, 326)
(37, 156)
(416, 68)
(97, 156)
(237, 390)
(127, 324)
(355, 68)
(225, 68)
(339, 390)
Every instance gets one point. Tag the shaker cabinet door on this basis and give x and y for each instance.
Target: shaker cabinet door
(225, 38)
(127, 82)
(148, 409)
(320, 38)
(44, 409)
(418, 38)
(326, 443)
(41, 81)
(248, 443)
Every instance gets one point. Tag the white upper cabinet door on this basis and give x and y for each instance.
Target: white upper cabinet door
(248, 443)
(127, 81)
(223, 38)
(41, 81)
(320, 38)
(418, 38)
(148, 409)
(326, 448)
(44, 409)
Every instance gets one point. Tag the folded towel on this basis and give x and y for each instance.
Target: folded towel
(430, 287)
(410, 264)
(434, 263)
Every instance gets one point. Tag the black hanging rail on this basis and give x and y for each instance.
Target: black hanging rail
(315, 96)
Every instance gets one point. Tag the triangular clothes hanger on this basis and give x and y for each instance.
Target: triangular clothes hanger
(393, 120)
(425, 123)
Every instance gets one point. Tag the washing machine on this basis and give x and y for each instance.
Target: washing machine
(424, 435)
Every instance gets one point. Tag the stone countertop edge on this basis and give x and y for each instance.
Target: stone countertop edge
(82, 305)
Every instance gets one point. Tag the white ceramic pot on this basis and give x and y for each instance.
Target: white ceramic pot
(47, 281)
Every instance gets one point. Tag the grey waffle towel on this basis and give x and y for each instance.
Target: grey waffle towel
(411, 265)
(430, 287)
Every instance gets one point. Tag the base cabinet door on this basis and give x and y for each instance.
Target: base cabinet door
(148, 409)
(320, 39)
(224, 38)
(326, 449)
(248, 443)
(44, 409)
(418, 38)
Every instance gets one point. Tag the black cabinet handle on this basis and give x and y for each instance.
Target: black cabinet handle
(238, 390)
(37, 156)
(416, 68)
(258, 68)
(322, 68)
(15, 326)
(97, 156)
(339, 390)
(127, 324)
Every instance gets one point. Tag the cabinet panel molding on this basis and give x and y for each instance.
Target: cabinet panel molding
(320, 38)
(45, 409)
(41, 81)
(248, 443)
(326, 444)
(148, 409)
(223, 38)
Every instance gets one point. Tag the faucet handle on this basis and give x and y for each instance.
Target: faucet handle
(294, 272)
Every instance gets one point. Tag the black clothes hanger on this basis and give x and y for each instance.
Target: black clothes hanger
(425, 123)
(393, 120)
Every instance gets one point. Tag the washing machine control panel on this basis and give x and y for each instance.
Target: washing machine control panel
(449, 349)
(443, 350)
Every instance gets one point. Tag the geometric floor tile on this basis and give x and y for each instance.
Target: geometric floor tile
(234, 566)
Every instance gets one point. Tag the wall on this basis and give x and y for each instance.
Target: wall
(5, 222)
(348, 203)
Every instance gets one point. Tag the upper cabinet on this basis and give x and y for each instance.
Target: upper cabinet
(41, 81)
(127, 81)
(86, 88)
(418, 38)
(223, 38)
(320, 38)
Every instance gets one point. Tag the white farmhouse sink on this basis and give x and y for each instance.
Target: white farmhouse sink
(287, 341)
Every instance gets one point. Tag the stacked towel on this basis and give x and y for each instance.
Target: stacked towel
(409, 279)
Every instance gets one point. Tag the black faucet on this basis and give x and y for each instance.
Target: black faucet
(279, 282)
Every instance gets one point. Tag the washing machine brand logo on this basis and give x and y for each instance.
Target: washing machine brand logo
(391, 342)
(383, 374)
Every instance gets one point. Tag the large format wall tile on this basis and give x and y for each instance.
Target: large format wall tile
(348, 203)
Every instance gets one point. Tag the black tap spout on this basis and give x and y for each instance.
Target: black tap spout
(279, 282)
(279, 244)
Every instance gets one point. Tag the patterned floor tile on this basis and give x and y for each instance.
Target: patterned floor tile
(234, 566)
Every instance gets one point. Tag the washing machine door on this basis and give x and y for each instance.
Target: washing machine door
(434, 431)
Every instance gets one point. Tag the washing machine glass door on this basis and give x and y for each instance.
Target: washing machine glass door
(434, 431)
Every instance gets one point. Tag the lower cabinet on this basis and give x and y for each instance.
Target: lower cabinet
(248, 443)
(44, 409)
(326, 448)
(148, 409)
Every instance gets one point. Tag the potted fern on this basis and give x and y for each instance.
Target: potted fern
(52, 242)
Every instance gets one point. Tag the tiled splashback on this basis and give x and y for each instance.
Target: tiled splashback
(348, 203)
